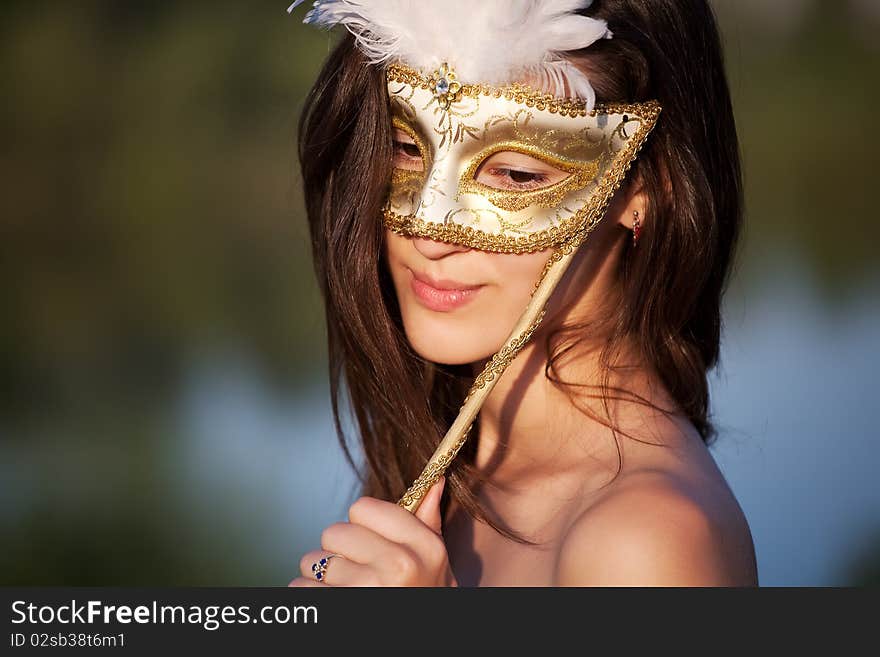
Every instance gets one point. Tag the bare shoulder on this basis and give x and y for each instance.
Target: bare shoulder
(659, 529)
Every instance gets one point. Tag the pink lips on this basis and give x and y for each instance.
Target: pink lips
(441, 295)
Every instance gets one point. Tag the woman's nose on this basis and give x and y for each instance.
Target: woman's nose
(433, 250)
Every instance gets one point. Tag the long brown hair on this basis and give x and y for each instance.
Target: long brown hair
(670, 287)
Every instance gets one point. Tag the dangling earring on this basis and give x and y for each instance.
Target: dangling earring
(637, 227)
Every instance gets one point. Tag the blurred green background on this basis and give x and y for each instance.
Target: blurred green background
(164, 417)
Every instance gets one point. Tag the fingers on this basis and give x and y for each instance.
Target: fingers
(382, 545)
(355, 542)
(338, 571)
(305, 582)
(394, 523)
(309, 561)
(429, 510)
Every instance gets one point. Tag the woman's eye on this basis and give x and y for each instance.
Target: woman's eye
(525, 178)
(516, 171)
(406, 152)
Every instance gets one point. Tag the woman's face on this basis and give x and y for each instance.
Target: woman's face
(460, 304)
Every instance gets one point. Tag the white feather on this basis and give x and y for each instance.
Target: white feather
(489, 41)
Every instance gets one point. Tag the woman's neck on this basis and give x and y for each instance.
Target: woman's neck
(528, 426)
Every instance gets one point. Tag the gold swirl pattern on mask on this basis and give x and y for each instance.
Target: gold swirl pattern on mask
(519, 125)
(406, 189)
(402, 102)
(451, 125)
(407, 181)
(504, 225)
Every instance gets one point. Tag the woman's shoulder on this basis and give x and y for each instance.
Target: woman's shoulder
(657, 527)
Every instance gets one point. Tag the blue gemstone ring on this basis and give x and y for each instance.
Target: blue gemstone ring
(320, 568)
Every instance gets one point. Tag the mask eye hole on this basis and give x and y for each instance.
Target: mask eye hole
(512, 171)
(514, 176)
(407, 152)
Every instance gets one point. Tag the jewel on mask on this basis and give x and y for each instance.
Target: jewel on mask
(445, 86)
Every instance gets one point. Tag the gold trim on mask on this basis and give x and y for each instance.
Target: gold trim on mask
(410, 181)
(514, 200)
(520, 93)
(424, 149)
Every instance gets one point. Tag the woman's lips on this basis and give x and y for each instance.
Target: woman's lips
(441, 300)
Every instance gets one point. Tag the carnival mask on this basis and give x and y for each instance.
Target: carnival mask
(452, 130)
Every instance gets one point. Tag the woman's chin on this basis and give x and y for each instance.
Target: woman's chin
(452, 356)
(450, 350)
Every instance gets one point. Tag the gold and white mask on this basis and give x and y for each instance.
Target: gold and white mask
(453, 180)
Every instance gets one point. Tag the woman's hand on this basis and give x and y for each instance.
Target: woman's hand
(383, 544)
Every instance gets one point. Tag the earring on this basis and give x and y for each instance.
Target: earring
(637, 227)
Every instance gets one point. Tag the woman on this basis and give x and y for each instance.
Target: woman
(588, 462)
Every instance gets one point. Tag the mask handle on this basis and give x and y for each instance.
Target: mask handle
(528, 322)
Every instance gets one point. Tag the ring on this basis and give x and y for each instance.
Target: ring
(320, 567)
